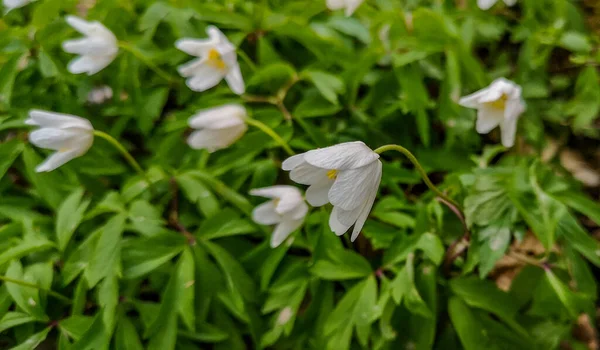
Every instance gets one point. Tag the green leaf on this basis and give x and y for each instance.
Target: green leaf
(581, 203)
(569, 229)
(415, 98)
(197, 192)
(145, 218)
(574, 303)
(75, 326)
(27, 298)
(224, 224)
(106, 254)
(9, 151)
(469, 330)
(48, 67)
(313, 104)
(13, 319)
(95, 337)
(586, 104)
(45, 184)
(575, 41)
(127, 337)
(494, 240)
(186, 306)
(328, 85)
(33, 341)
(69, 216)
(8, 73)
(143, 255)
(341, 265)
(24, 248)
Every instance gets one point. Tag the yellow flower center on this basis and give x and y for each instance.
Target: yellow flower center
(499, 103)
(332, 174)
(214, 59)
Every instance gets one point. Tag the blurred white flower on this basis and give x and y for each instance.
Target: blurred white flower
(346, 175)
(219, 127)
(10, 5)
(349, 6)
(97, 49)
(100, 94)
(285, 316)
(216, 60)
(498, 104)
(70, 136)
(286, 208)
(487, 4)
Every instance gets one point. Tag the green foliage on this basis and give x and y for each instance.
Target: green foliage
(95, 256)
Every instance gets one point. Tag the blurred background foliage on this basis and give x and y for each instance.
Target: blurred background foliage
(104, 257)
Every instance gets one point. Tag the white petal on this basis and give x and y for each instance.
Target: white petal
(318, 194)
(95, 46)
(364, 214)
(353, 186)
(213, 140)
(336, 4)
(335, 225)
(89, 64)
(488, 118)
(235, 80)
(190, 68)
(195, 47)
(485, 4)
(472, 100)
(220, 117)
(514, 109)
(81, 25)
(55, 160)
(14, 4)
(298, 213)
(216, 35)
(510, 2)
(351, 6)
(508, 130)
(289, 197)
(346, 155)
(54, 139)
(205, 77)
(283, 230)
(307, 174)
(57, 120)
(265, 214)
(292, 162)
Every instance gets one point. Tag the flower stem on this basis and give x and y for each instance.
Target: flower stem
(31, 285)
(140, 55)
(267, 130)
(420, 169)
(128, 157)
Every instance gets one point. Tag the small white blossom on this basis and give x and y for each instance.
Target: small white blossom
(346, 175)
(498, 104)
(219, 127)
(70, 136)
(100, 94)
(285, 316)
(487, 4)
(349, 6)
(216, 60)
(286, 209)
(10, 5)
(97, 49)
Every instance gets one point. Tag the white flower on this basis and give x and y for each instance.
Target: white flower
(487, 4)
(498, 104)
(100, 94)
(286, 209)
(98, 48)
(70, 136)
(10, 5)
(216, 60)
(219, 127)
(349, 5)
(346, 175)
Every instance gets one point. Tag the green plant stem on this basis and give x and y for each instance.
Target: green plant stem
(128, 157)
(140, 55)
(267, 130)
(31, 285)
(421, 171)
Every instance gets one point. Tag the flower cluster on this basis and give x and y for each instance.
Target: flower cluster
(346, 175)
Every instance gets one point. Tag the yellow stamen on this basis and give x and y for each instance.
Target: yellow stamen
(332, 174)
(499, 103)
(214, 59)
